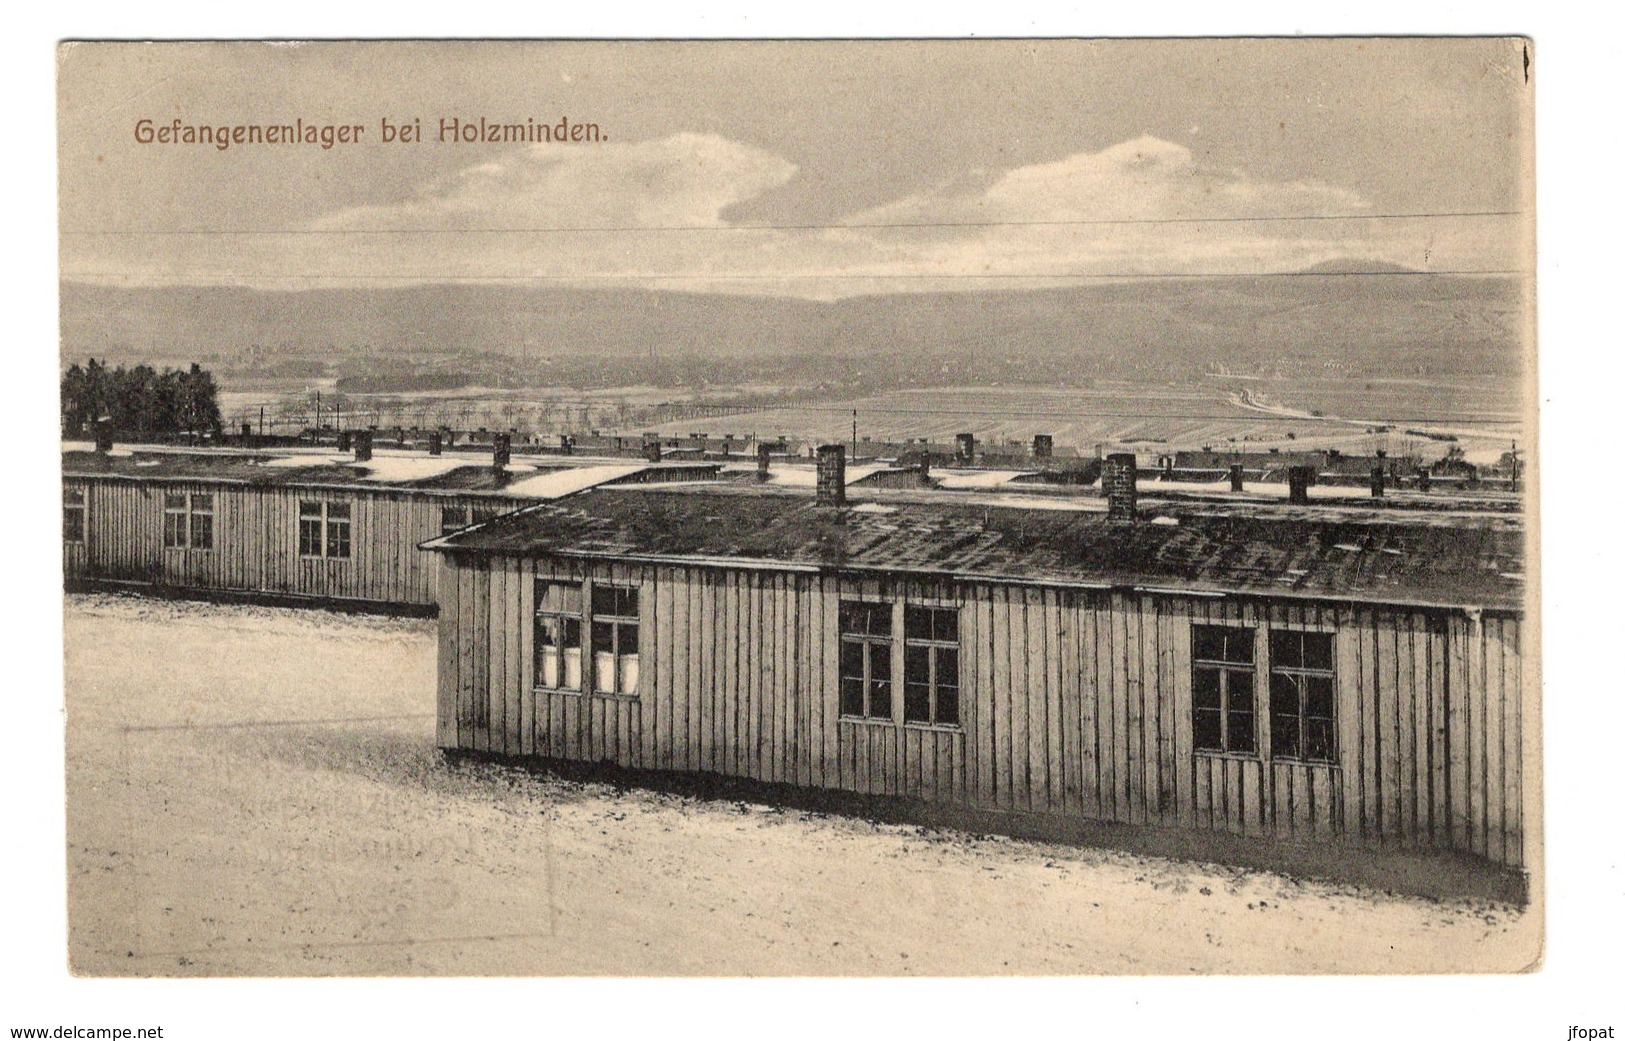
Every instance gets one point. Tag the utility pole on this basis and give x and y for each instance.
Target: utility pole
(854, 434)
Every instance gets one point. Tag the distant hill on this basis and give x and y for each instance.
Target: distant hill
(1375, 322)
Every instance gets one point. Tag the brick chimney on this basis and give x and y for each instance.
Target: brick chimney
(964, 448)
(1235, 477)
(1298, 480)
(831, 475)
(501, 450)
(104, 436)
(363, 446)
(1043, 446)
(1377, 476)
(651, 449)
(567, 444)
(764, 458)
(922, 470)
(1424, 479)
(1118, 479)
(436, 446)
(346, 439)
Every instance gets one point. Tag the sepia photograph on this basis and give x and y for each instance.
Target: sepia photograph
(800, 508)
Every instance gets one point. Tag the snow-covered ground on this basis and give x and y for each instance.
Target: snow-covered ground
(255, 791)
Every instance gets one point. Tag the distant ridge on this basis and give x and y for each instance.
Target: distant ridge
(1445, 323)
(1357, 266)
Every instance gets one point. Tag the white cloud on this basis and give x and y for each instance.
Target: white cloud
(1141, 207)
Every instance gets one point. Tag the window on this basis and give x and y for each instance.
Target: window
(456, 518)
(324, 530)
(1302, 696)
(866, 643)
(931, 665)
(614, 639)
(73, 515)
(1222, 713)
(188, 520)
(558, 635)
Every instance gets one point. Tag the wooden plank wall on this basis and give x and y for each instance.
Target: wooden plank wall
(256, 541)
(1073, 702)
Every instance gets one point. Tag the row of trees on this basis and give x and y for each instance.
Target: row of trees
(139, 400)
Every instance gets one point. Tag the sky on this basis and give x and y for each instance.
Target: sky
(815, 169)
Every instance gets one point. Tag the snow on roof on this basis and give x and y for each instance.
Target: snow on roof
(559, 483)
(977, 478)
(807, 476)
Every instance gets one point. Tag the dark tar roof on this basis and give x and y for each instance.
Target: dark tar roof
(1468, 562)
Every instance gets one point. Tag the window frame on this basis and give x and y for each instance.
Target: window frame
(189, 524)
(1300, 675)
(1267, 666)
(933, 646)
(892, 647)
(619, 624)
(1227, 669)
(328, 531)
(539, 615)
(869, 646)
(79, 512)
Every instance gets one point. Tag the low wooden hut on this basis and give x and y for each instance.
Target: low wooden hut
(1347, 680)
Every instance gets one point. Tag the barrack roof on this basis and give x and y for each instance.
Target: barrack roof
(1434, 561)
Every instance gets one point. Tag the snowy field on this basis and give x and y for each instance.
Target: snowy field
(255, 791)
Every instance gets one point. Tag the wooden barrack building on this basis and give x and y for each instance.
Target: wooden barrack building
(1326, 677)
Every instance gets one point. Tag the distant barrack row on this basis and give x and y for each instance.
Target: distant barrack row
(224, 136)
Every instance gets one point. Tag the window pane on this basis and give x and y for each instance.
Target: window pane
(627, 637)
(73, 523)
(879, 661)
(1317, 651)
(916, 703)
(73, 496)
(629, 674)
(917, 622)
(451, 519)
(865, 619)
(1240, 732)
(310, 538)
(1206, 730)
(202, 531)
(947, 667)
(1286, 650)
(851, 660)
(947, 703)
(1284, 693)
(603, 637)
(945, 624)
(174, 530)
(1221, 643)
(851, 695)
(1284, 735)
(174, 502)
(1317, 739)
(603, 671)
(917, 664)
(572, 665)
(547, 663)
(880, 699)
(338, 509)
(1205, 687)
(1317, 696)
(603, 600)
(203, 503)
(310, 509)
(1240, 682)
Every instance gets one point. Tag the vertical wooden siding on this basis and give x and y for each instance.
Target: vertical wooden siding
(256, 541)
(1072, 702)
